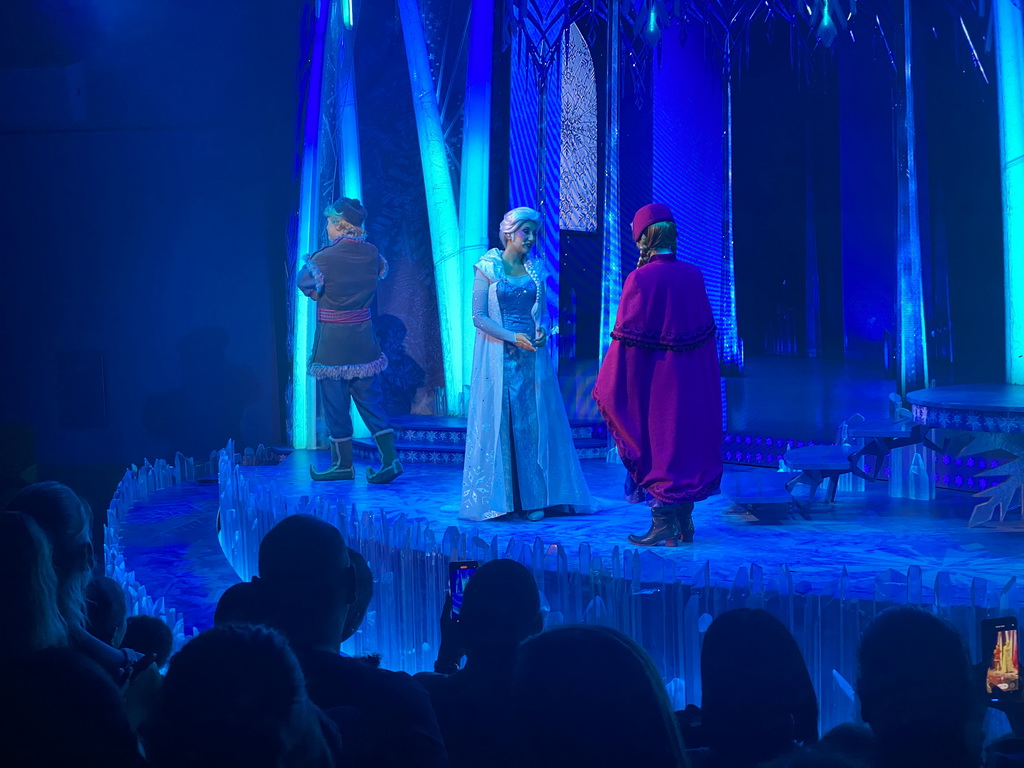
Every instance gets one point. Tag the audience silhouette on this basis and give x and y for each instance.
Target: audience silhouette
(308, 586)
(29, 617)
(363, 595)
(66, 521)
(589, 696)
(59, 708)
(150, 636)
(500, 609)
(269, 686)
(757, 701)
(240, 604)
(235, 697)
(106, 611)
(916, 692)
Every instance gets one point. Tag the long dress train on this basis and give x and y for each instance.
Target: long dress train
(519, 450)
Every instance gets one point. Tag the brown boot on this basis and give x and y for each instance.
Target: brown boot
(684, 518)
(663, 528)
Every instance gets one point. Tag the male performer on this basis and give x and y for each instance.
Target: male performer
(347, 360)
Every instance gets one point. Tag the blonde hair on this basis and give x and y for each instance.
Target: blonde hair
(28, 591)
(65, 519)
(514, 221)
(346, 228)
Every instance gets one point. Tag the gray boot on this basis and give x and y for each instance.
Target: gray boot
(391, 467)
(341, 462)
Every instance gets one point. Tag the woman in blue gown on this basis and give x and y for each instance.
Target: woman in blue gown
(520, 457)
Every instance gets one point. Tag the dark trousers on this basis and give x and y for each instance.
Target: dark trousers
(336, 396)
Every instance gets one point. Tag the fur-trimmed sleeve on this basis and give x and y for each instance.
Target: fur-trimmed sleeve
(310, 279)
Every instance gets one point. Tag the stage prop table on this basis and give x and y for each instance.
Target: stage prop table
(911, 453)
(991, 418)
(898, 437)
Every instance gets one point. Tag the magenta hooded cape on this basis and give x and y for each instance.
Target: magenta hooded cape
(659, 388)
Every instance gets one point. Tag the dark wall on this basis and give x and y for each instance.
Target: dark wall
(148, 177)
(815, 201)
(769, 204)
(962, 225)
(636, 147)
(867, 81)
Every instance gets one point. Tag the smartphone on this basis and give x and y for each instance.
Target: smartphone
(999, 638)
(459, 572)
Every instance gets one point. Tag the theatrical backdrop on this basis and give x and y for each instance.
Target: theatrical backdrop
(781, 139)
(848, 175)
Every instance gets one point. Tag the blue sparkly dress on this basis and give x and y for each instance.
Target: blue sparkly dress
(519, 450)
(516, 297)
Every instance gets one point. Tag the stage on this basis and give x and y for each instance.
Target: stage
(853, 244)
(865, 533)
(824, 569)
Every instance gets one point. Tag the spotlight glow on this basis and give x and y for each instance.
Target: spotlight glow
(476, 163)
(1010, 66)
(911, 341)
(611, 269)
(304, 387)
(444, 223)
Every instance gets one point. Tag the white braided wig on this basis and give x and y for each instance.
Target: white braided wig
(514, 221)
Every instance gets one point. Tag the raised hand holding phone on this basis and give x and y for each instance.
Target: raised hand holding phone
(451, 651)
(459, 572)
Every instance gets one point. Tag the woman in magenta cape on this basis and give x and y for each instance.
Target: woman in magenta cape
(658, 388)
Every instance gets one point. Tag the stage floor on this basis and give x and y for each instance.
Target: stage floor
(867, 533)
(170, 538)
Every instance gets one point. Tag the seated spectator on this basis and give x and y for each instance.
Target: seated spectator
(243, 603)
(150, 636)
(848, 745)
(500, 609)
(363, 594)
(1007, 752)
(853, 741)
(757, 701)
(307, 585)
(29, 617)
(814, 757)
(1003, 723)
(357, 611)
(66, 522)
(589, 696)
(240, 604)
(234, 697)
(106, 610)
(917, 693)
(58, 708)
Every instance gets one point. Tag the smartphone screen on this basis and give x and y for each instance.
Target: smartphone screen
(459, 572)
(1001, 649)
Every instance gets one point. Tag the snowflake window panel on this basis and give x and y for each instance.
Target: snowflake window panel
(579, 135)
